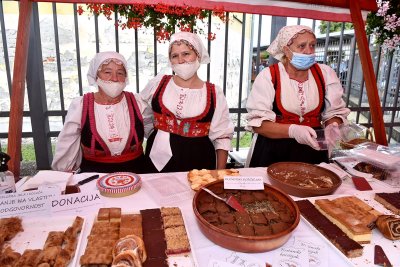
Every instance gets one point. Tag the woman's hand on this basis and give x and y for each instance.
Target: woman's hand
(304, 135)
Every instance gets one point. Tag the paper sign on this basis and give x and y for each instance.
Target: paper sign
(26, 203)
(317, 251)
(244, 182)
(235, 259)
(78, 202)
(292, 256)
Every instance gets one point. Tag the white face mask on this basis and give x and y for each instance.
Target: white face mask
(110, 88)
(186, 70)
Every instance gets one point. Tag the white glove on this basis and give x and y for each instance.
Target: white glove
(304, 135)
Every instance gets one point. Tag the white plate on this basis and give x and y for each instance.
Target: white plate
(391, 248)
(36, 230)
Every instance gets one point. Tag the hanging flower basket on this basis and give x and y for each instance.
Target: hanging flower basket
(385, 24)
(163, 18)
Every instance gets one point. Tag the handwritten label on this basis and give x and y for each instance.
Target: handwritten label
(244, 182)
(291, 256)
(77, 202)
(235, 259)
(317, 251)
(26, 203)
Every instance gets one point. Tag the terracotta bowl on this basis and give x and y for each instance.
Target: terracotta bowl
(246, 243)
(299, 179)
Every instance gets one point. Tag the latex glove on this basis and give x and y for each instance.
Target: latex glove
(332, 136)
(304, 135)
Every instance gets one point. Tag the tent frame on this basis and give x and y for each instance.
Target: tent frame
(22, 43)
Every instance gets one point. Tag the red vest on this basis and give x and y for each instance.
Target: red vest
(165, 120)
(93, 146)
(311, 118)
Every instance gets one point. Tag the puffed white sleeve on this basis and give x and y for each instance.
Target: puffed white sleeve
(334, 103)
(260, 101)
(144, 102)
(221, 128)
(68, 153)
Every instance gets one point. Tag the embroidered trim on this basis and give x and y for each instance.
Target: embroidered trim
(311, 118)
(130, 151)
(189, 127)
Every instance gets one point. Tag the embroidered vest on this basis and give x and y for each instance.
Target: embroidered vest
(93, 146)
(311, 118)
(165, 120)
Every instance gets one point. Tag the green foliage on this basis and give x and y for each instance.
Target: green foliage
(244, 141)
(334, 26)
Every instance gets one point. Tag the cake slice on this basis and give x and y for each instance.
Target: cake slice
(391, 201)
(332, 232)
(351, 215)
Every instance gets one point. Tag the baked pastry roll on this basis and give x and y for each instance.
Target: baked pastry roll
(130, 243)
(389, 225)
(127, 258)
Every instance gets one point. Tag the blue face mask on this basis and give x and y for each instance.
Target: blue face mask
(302, 61)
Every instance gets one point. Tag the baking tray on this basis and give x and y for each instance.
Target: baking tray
(36, 230)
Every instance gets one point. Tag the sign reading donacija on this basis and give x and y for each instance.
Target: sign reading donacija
(46, 201)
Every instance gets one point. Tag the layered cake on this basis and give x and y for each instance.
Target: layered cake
(350, 214)
(332, 232)
(199, 178)
(389, 226)
(391, 201)
(265, 215)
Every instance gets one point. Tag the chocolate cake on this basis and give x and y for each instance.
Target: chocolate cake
(265, 215)
(333, 233)
(153, 235)
(350, 214)
(391, 201)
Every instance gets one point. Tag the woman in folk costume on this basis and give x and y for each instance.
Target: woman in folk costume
(192, 128)
(103, 131)
(291, 99)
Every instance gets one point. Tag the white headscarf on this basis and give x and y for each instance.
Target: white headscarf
(98, 60)
(195, 41)
(285, 35)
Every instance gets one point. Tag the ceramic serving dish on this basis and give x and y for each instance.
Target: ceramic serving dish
(256, 230)
(303, 179)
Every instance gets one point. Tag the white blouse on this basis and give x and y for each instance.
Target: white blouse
(187, 103)
(298, 98)
(112, 124)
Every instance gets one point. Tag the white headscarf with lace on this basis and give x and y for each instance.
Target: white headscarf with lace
(195, 41)
(104, 58)
(285, 35)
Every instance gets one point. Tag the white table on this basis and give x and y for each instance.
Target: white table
(204, 249)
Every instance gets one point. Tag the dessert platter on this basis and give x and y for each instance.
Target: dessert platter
(199, 178)
(40, 241)
(270, 218)
(151, 237)
(303, 179)
(354, 225)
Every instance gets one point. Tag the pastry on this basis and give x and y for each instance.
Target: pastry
(199, 178)
(351, 215)
(9, 257)
(9, 228)
(131, 243)
(332, 232)
(115, 214)
(54, 239)
(391, 201)
(128, 258)
(131, 224)
(389, 226)
(103, 214)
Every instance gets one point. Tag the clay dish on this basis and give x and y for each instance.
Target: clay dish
(303, 179)
(240, 242)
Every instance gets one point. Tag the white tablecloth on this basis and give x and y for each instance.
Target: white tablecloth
(172, 189)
